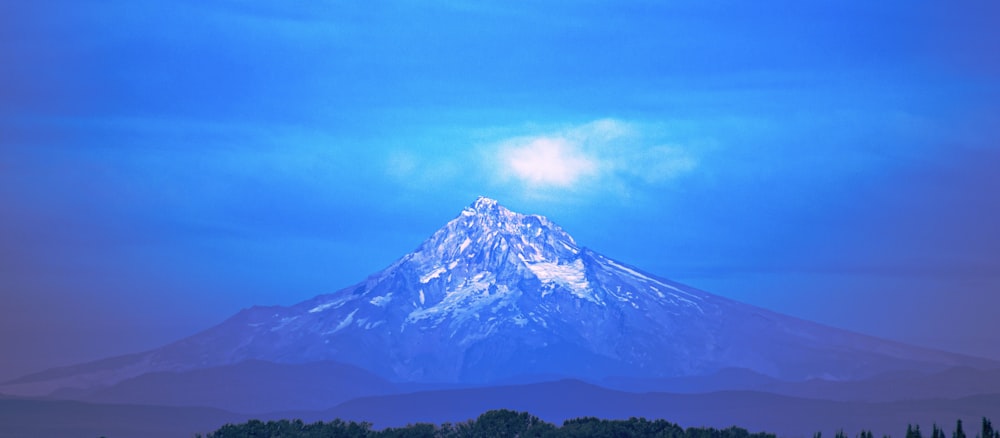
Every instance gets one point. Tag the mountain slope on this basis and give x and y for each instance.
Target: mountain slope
(494, 295)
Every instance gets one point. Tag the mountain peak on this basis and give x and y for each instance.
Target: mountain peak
(486, 220)
(488, 207)
(488, 238)
(484, 204)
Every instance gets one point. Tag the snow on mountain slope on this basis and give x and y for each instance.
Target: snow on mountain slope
(495, 294)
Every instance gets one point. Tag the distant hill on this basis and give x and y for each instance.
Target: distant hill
(248, 387)
(755, 411)
(22, 418)
(956, 382)
(554, 402)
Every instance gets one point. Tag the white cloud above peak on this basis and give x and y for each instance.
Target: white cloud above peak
(547, 161)
(604, 153)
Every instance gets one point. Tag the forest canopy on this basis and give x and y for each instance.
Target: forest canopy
(506, 423)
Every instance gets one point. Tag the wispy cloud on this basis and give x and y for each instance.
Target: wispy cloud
(547, 161)
(654, 164)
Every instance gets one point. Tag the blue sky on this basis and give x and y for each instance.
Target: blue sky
(167, 163)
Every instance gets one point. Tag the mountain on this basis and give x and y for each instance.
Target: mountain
(496, 296)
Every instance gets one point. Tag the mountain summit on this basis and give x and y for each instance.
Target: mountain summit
(488, 238)
(496, 295)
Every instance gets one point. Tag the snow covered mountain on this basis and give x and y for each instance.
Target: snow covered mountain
(497, 296)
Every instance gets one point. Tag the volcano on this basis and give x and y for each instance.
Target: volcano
(499, 296)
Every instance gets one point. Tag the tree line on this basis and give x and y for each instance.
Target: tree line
(505, 423)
